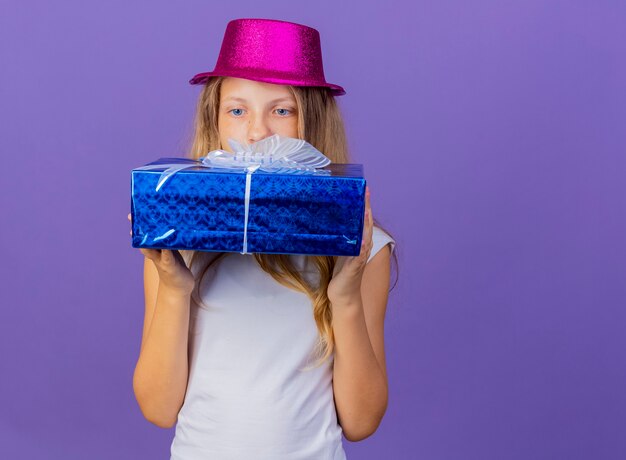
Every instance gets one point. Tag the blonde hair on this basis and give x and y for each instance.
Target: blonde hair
(319, 123)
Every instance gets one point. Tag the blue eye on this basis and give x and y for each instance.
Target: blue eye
(286, 110)
(234, 110)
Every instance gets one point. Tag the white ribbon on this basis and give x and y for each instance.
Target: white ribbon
(275, 154)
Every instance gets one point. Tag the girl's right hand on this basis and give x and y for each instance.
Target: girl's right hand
(173, 272)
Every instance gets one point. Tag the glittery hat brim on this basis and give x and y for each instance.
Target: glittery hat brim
(202, 78)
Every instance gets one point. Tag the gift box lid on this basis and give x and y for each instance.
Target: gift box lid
(348, 170)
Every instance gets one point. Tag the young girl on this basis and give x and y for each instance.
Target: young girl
(266, 356)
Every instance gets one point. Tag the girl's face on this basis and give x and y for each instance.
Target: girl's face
(252, 110)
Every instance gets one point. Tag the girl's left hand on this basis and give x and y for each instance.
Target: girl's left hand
(345, 285)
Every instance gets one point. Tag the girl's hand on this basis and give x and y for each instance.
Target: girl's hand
(173, 272)
(345, 285)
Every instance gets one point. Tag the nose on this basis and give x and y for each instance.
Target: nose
(257, 129)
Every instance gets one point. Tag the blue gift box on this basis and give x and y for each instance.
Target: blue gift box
(204, 209)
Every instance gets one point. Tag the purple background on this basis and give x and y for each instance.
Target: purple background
(493, 138)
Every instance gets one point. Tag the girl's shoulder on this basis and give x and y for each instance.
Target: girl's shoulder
(380, 239)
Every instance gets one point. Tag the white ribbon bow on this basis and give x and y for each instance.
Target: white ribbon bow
(276, 154)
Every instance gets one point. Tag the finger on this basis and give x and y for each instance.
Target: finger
(167, 257)
(367, 243)
(152, 254)
(128, 216)
(339, 264)
(370, 216)
(369, 227)
(369, 205)
(178, 256)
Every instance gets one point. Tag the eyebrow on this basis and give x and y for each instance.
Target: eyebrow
(239, 99)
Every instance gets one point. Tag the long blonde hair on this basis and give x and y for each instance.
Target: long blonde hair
(319, 123)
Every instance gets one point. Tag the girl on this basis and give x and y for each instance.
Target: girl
(266, 356)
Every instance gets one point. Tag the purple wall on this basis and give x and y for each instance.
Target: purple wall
(493, 138)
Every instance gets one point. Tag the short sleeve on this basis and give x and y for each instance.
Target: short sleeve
(202, 259)
(379, 240)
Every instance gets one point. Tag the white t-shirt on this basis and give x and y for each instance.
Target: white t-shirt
(247, 395)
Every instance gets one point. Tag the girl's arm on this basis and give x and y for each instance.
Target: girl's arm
(359, 371)
(161, 373)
